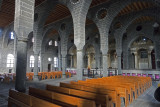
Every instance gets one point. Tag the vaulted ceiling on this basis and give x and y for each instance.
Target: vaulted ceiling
(61, 11)
(7, 11)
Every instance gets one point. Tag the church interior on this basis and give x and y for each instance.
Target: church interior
(79, 53)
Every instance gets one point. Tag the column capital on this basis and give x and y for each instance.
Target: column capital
(79, 50)
(105, 55)
(135, 53)
(23, 39)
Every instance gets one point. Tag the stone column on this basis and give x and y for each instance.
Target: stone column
(89, 60)
(71, 57)
(23, 25)
(97, 58)
(119, 63)
(136, 60)
(105, 66)
(125, 60)
(21, 64)
(79, 10)
(59, 57)
(149, 60)
(79, 64)
(41, 67)
(35, 66)
(109, 60)
(64, 63)
(157, 54)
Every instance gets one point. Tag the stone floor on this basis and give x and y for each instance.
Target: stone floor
(145, 100)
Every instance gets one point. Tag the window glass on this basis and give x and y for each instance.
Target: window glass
(32, 61)
(10, 60)
(55, 62)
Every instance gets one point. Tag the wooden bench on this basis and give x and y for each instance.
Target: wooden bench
(61, 99)
(111, 93)
(122, 91)
(99, 99)
(130, 88)
(23, 100)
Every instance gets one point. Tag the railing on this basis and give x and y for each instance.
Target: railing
(93, 73)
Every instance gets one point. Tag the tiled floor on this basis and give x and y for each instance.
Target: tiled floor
(145, 100)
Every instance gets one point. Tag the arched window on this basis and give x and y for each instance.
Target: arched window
(39, 61)
(11, 35)
(50, 43)
(56, 44)
(55, 62)
(31, 61)
(10, 60)
(32, 39)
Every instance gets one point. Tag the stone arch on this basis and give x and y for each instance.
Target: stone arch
(73, 52)
(53, 34)
(89, 57)
(136, 35)
(6, 35)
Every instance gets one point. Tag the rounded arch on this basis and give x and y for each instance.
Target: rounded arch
(52, 35)
(89, 48)
(136, 36)
(72, 50)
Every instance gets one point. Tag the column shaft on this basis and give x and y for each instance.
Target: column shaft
(136, 61)
(105, 66)
(20, 83)
(149, 61)
(79, 64)
(35, 67)
(119, 64)
(157, 55)
(63, 64)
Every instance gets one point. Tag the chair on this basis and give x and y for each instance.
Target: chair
(139, 75)
(128, 74)
(133, 74)
(157, 78)
(110, 74)
(150, 75)
(74, 72)
(144, 75)
(124, 74)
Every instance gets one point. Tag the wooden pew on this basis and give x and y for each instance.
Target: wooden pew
(113, 83)
(122, 91)
(136, 88)
(23, 100)
(99, 99)
(140, 82)
(61, 99)
(111, 93)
